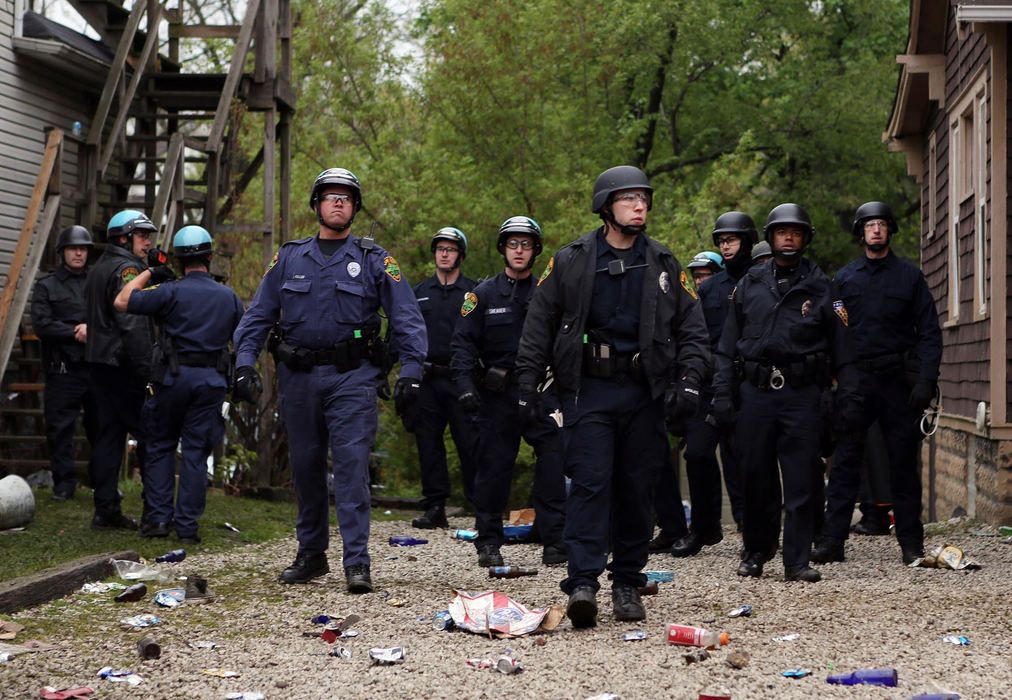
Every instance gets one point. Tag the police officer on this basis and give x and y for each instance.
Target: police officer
(439, 298)
(734, 234)
(59, 320)
(483, 364)
(324, 292)
(761, 252)
(615, 316)
(196, 317)
(787, 332)
(119, 355)
(704, 265)
(895, 326)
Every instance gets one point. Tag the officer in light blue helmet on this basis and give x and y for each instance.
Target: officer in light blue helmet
(705, 265)
(196, 317)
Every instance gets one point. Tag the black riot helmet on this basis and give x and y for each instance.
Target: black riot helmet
(73, 235)
(873, 210)
(336, 176)
(789, 214)
(738, 223)
(612, 180)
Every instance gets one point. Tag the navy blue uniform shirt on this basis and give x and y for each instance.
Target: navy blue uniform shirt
(614, 316)
(440, 305)
(715, 297)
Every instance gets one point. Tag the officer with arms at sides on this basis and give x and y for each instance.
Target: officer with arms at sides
(58, 318)
(439, 298)
(784, 339)
(616, 317)
(324, 294)
(118, 352)
(484, 355)
(899, 348)
(196, 317)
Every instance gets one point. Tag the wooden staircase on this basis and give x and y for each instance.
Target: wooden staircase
(164, 141)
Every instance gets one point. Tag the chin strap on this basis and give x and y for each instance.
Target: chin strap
(609, 219)
(342, 229)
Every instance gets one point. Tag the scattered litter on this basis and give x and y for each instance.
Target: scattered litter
(787, 637)
(866, 676)
(946, 557)
(479, 663)
(132, 594)
(196, 588)
(540, 642)
(100, 587)
(338, 628)
(510, 571)
(118, 676)
(203, 645)
(649, 589)
(696, 656)
(661, 576)
(220, 673)
(340, 652)
(605, 696)
(388, 512)
(392, 557)
(524, 516)
(9, 629)
(740, 611)
(466, 535)
(406, 541)
(796, 673)
(5, 657)
(148, 648)
(442, 621)
(695, 636)
(397, 602)
(145, 620)
(507, 665)
(320, 619)
(634, 636)
(170, 597)
(496, 614)
(137, 571)
(171, 557)
(516, 533)
(9, 651)
(738, 659)
(953, 639)
(386, 656)
(230, 526)
(51, 693)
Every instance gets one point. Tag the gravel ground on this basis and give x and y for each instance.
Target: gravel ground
(868, 612)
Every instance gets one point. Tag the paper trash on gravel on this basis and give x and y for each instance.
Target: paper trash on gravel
(946, 557)
(51, 693)
(145, 620)
(100, 587)
(254, 695)
(170, 597)
(111, 674)
(387, 656)
(220, 673)
(787, 637)
(496, 614)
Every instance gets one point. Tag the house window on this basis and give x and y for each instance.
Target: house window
(980, 208)
(954, 154)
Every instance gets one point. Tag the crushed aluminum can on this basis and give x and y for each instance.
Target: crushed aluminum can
(661, 576)
(634, 636)
(508, 665)
(145, 620)
(740, 611)
(340, 652)
(385, 656)
(442, 621)
(958, 641)
(170, 597)
(465, 535)
(480, 663)
(148, 648)
(796, 673)
(787, 637)
(220, 673)
(111, 674)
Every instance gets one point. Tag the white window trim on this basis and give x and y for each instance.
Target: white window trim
(980, 205)
(953, 246)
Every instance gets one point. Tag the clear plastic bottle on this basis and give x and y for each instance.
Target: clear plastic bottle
(689, 636)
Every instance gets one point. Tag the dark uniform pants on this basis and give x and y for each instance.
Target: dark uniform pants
(616, 445)
(885, 400)
(668, 500)
(703, 472)
(499, 431)
(322, 409)
(119, 401)
(187, 412)
(782, 425)
(436, 406)
(65, 395)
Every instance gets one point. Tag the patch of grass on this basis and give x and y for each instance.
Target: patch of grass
(61, 532)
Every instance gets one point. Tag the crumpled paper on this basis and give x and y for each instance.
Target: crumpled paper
(946, 557)
(497, 615)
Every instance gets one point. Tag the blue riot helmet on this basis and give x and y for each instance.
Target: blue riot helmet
(707, 259)
(192, 241)
(519, 226)
(126, 223)
(453, 235)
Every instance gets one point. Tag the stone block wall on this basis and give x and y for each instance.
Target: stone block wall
(947, 458)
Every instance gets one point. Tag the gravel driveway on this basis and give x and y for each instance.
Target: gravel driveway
(868, 612)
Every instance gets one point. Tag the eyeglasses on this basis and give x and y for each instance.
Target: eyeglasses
(446, 249)
(515, 243)
(727, 240)
(872, 224)
(633, 197)
(335, 198)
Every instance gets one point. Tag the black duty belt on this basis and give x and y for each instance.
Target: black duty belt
(601, 360)
(499, 379)
(344, 356)
(431, 369)
(199, 359)
(813, 369)
(882, 364)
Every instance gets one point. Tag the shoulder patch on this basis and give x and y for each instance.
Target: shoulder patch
(390, 267)
(548, 270)
(129, 273)
(470, 303)
(274, 262)
(684, 279)
(840, 310)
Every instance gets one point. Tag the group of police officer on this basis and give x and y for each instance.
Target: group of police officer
(592, 365)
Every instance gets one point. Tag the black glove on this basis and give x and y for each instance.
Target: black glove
(162, 273)
(247, 385)
(405, 394)
(921, 395)
(529, 404)
(722, 410)
(681, 401)
(470, 401)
